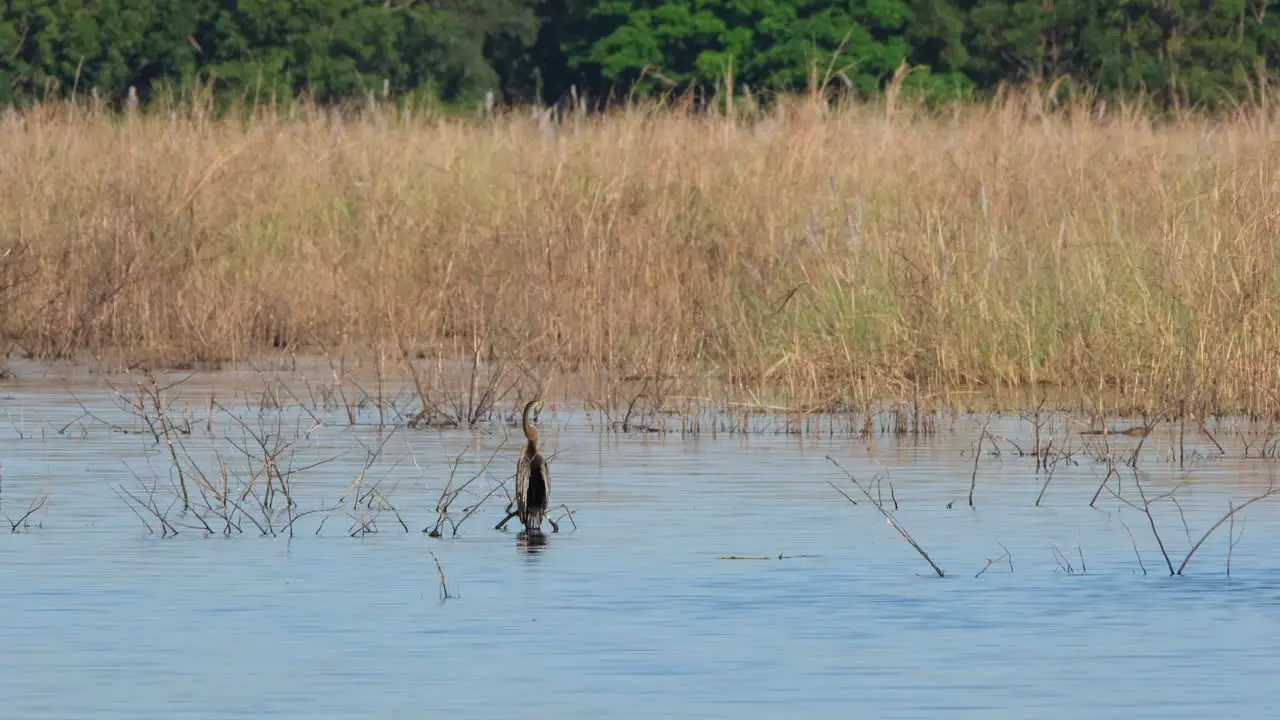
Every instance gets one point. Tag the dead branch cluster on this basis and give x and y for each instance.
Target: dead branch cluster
(1053, 448)
(234, 473)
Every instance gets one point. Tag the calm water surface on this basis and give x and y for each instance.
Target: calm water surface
(634, 613)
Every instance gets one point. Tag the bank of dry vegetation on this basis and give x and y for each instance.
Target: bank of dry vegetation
(824, 256)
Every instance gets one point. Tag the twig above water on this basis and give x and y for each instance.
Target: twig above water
(1233, 538)
(977, 454)
(444, 584)
(992, 561)
(1146, 508)
(471, 510)
(450, 493)
(567, 514)
(888, 515)
(31, 510)
(1231, 512)
(503, 523)
(1134, 541)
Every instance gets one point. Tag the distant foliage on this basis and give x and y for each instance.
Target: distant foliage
(1208, 53)
(765, 43)
(331, 49)
(1198, 52)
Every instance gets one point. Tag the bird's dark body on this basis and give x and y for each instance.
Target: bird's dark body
(533, 480)
(532, 506)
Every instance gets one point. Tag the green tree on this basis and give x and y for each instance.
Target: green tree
(1186, 51)
(464, 49)
(334, 49)
(766, 43)
(331, 48)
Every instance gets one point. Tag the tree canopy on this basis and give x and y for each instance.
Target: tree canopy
(457, 51)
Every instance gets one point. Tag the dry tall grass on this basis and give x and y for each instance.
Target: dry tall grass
(823, 255)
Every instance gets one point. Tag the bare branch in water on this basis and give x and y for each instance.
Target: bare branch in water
(1232, 538)
(471, 510)
(1111, 470)
(444, 584)
(1050, 455)
(129, 505)
(1205, 431)
(1134, 541)
(385, 504)
(166, 528)
(449, 493)
(1271, 490)
(1063, 563)
(298, 516)
(888, 516)
(842, 492)
(977, 454)
(567, 514)
(35, 505)
(992, 561)
(1181, 515)
(503, 523)
(1146, 508)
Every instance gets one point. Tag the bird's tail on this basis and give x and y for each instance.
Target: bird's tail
(533, 521)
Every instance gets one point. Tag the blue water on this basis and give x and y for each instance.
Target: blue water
(634, 612)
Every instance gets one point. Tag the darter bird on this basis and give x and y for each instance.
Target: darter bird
(533, 478)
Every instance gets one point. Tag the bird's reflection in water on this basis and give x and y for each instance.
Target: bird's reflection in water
(532, 543)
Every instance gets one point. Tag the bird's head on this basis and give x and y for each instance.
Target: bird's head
(534, 408)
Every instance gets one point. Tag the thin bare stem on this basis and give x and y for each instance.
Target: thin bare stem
(973, 479)
(888, 515)
(1134, 541)
(444, 584)
(1146, 509)
(1231, 512)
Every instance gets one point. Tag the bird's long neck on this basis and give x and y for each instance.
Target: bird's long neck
(530, 432)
